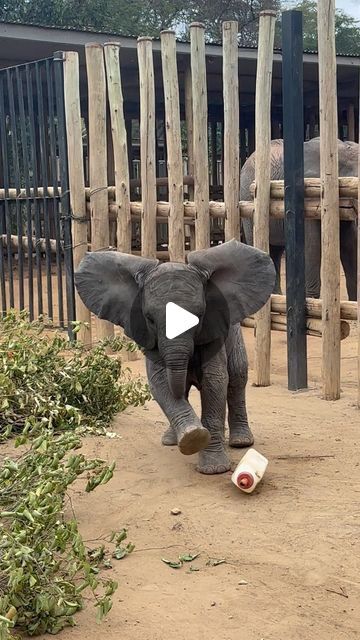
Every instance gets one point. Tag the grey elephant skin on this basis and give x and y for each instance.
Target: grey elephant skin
(221, 286)
(348, 166)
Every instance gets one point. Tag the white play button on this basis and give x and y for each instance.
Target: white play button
(178, 320)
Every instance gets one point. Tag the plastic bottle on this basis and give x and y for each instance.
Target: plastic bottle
(249, 471)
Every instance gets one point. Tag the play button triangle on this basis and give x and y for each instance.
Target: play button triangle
(178, 320)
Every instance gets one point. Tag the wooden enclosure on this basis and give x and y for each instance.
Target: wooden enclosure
(172, 205)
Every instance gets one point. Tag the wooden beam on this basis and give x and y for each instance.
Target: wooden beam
(76, 180)
(147, 147)
(174, 150)
(98, 162)
(200, 114)
(231, 130)
(262, 179)
(119, 144)
(330, 236)
(348, 309)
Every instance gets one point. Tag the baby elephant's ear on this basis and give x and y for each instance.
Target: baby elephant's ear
(108, 283)
(244, 276)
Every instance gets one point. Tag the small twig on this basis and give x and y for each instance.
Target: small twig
(301, 457)
(158, 548)
(342, 592)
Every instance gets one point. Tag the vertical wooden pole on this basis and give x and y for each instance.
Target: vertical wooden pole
(190, 143)
(231, 130)
(97, 162)
(292, 48)
(147, 148)
(76, 179)
(262, 181)
(351, 122)
(119, 140)
(330, 255)
(174, 150)
(201, 162)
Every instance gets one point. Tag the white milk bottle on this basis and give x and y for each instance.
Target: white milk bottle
(249, 471)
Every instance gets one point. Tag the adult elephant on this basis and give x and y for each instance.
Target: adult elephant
(221, 286)
(348, 166)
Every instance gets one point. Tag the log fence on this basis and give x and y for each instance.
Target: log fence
(189, 214)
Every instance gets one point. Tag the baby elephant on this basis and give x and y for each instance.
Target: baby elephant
(221, 286)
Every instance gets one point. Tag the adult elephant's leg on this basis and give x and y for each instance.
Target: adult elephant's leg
(247, 231)
(240, 433)
(213, 391)
(190, 433)
(276, 254)
(348, 254)
(312, 258)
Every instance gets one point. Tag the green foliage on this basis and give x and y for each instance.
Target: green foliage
(44, 567)
(347, 29)
(141, 17)
(51, 392)
(46, 384)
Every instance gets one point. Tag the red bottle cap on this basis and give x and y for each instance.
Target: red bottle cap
(245, 480)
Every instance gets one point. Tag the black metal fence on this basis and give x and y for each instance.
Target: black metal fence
(36, 269)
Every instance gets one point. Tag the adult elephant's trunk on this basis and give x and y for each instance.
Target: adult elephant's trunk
(177, 379)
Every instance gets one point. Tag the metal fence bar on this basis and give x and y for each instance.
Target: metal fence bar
(5, 163)
(292, 46)
(25, 160)
(45, 183)
(16, 181)
(35, 185)
(54, 183)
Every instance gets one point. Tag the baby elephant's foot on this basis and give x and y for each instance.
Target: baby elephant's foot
(213, 461)
(240, 436)
(169, 438)
(192, 439)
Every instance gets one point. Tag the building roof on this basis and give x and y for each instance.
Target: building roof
(21, 43)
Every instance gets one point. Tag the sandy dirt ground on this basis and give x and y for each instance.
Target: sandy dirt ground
(291, 549)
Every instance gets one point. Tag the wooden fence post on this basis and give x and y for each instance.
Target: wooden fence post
(147, 148)
(200, 122)
(330, 254)
(76, 179)
(119, 144)
(231, 130)
(98, 162)
(262, 181)
(190, 143)
(174, 150)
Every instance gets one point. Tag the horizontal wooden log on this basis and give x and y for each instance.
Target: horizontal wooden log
(313, 325)
(348, 188)
(347, 211)
(41, 242)
(161, 255)
(348, 309)
(217, 210)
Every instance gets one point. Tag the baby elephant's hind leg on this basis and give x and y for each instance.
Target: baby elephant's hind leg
(240, 433)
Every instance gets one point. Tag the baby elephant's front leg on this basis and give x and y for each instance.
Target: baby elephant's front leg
(214, 385)
(191, 435)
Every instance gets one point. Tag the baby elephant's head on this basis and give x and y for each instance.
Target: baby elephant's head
(220, 286)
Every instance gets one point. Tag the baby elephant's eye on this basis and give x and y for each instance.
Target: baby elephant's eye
(149, 319)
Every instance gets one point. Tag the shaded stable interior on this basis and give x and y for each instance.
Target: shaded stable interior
(24, 43)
